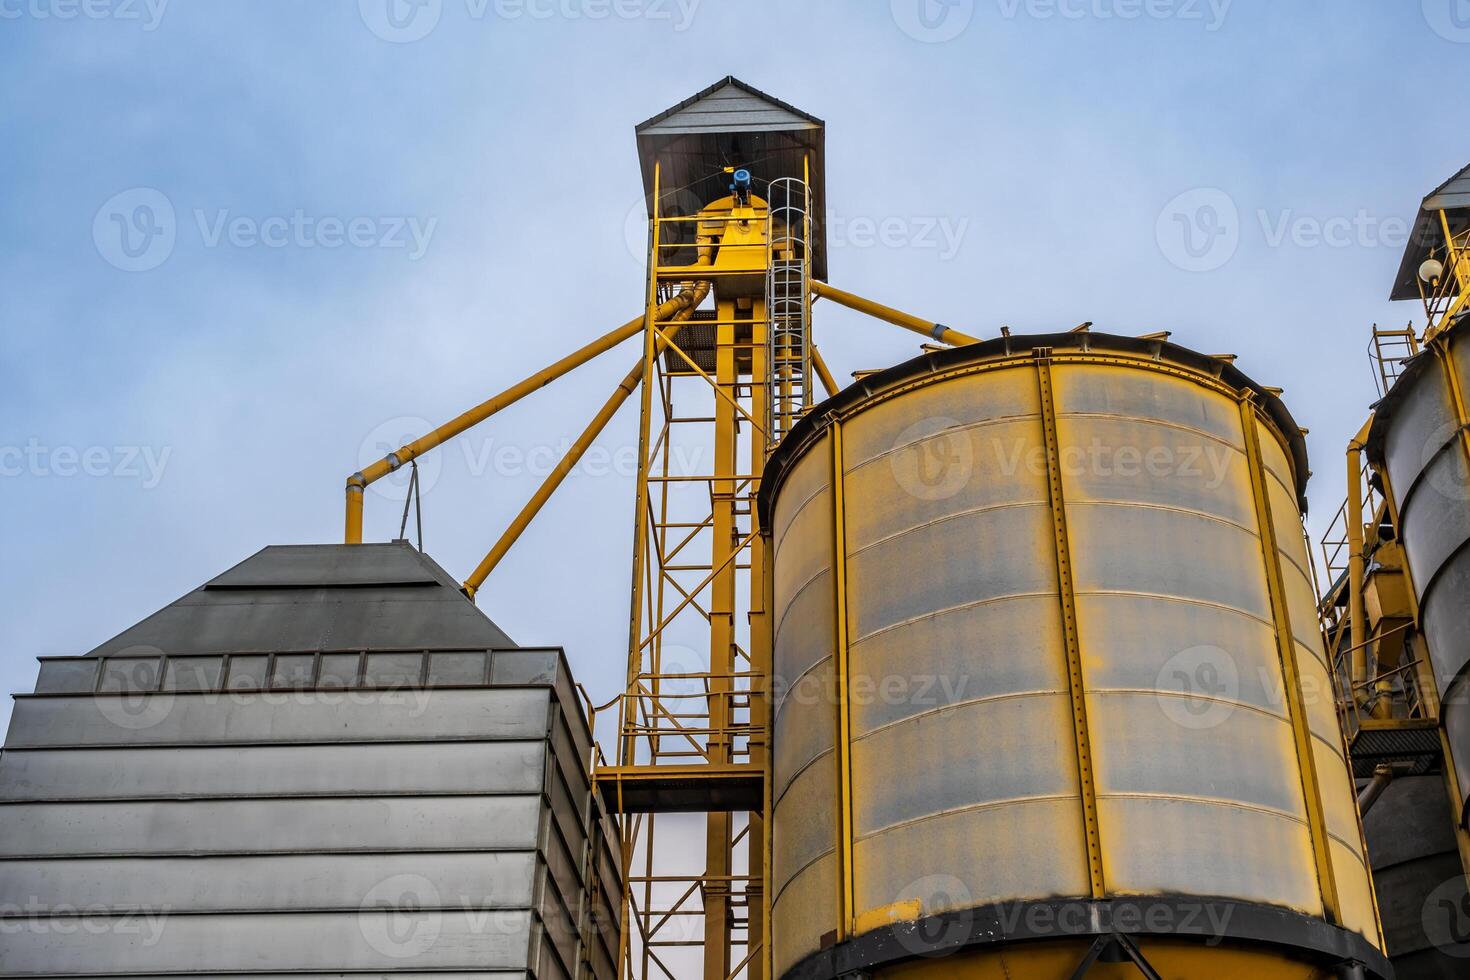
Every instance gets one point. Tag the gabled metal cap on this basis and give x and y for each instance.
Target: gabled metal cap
(1452, 197)
(732, 124)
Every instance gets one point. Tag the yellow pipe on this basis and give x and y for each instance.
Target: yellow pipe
(359, 481)
(829, 383)
(930, 329)
(1357, 566)
(573, 456)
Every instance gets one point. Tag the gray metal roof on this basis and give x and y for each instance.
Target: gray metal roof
(1452, 196)
(318, 597)
(732, 124)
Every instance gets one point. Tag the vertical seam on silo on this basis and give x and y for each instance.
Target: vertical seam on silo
(843, 734)
(1286, 648)
(1068, 599)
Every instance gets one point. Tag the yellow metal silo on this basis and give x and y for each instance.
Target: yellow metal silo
(1049, 695)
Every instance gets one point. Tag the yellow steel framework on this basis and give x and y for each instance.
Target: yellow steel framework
(1387, 694)
(718, 384)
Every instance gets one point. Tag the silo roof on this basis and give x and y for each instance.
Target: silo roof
(387, 596)
(1451, 196)
(732, 124)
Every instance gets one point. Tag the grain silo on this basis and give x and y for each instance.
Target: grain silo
(1075, 564)
(323, 761)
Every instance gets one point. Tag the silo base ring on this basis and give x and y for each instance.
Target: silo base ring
(1210, 923)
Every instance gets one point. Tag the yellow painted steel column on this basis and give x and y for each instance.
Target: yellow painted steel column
(824, 375)
(640, 495)
(758, 859)
(557, 475)
(724, 538)
(842, 743)
(930, 329)
(1291, 674)
(1357, 565)
(1066, 590)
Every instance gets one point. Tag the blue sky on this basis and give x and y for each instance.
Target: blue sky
(374, 229)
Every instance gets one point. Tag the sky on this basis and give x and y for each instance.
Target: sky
(246, 246)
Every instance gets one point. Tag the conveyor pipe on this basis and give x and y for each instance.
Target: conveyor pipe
(573, 456)
(358, 482)
(930, 329)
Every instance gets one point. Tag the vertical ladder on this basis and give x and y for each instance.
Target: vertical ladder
(788, 304)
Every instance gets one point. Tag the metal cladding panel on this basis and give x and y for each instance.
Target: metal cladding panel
(462, 940)
(1418, 878)
(263, 883)
(965, 779)
(1417, 435)
(304, 811)
(180, 827)
(804, 834)
(277, 770)
(242, 718)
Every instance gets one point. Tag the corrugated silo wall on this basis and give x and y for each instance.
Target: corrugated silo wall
(311, 814)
